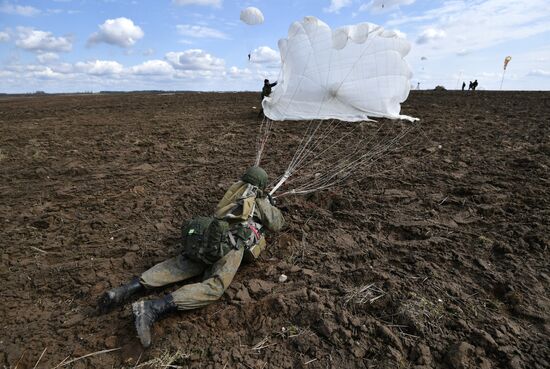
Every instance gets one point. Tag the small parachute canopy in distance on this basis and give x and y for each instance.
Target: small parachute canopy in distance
(423, 58)
(506, 61)
(252, 16)
(350, 73)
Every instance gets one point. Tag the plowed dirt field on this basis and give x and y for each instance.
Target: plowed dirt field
(436, 258)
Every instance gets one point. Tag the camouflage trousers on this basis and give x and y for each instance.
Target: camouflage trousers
(217, 278)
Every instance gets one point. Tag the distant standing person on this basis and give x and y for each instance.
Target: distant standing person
(266, 91)
(470, 86)
(418, 86)
(474, 85)
(463, 85)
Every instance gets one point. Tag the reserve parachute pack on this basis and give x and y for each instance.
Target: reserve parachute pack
(206, 239)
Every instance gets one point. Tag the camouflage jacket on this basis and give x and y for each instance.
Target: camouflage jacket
(266, 90)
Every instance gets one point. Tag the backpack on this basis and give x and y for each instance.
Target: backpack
(238, 203)
(205, 239)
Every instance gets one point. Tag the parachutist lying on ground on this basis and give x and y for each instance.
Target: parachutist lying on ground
(212, 246)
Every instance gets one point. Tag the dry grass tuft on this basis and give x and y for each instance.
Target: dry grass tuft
(363, 294)
(166, 360)
(422, 314)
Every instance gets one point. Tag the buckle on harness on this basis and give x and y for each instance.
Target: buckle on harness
(255, 231)
(232, 240)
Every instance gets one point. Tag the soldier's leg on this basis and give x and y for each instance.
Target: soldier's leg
(217, 280)
(173, 270)
(170, 271)
(192, 296)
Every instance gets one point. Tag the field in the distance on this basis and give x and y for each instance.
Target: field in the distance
(442, 262)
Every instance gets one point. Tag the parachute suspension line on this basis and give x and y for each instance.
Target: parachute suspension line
(306, 150)
(304, 153)
(263, 136)
(347, 166)
(287, 173)
(350, 163)
(358, 146)
(364, 162)
(290, 169)
(307, 146)
(325, 159)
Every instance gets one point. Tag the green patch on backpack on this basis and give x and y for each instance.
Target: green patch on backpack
(205, 239)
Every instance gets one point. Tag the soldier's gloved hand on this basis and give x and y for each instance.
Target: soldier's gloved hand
(271, 199)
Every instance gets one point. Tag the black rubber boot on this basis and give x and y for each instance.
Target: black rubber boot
(118, 295)
(149, 311)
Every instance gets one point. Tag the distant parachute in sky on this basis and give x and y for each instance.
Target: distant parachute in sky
(252, 16)
(350, 73)
(423, 58)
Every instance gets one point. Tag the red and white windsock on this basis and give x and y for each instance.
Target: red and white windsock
(506, 61)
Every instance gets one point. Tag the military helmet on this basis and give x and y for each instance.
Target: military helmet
(256, 176)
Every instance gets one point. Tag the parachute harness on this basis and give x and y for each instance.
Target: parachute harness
(255, 227)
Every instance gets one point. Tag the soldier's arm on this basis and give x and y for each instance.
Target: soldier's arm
(273, 84)
(270, 216)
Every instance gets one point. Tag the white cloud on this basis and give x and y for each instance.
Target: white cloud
(63, 68)
(379, 6)
(47, 73)
(120, 32)
(4, 37)
(195, 59)
(336, 5)
(400, 34)
(99, 67)
(235, 72)
(41, 41)
(200, 31)
(14, 9)
(148, 52)
(252, 76)
(539, 73)
(479, 24)
(152, 67)
(430, 34)
(6, 73)
(490, 75)
(213, 3)
(46, 58)
(265, 55)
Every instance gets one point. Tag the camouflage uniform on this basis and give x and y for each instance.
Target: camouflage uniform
(217, 276)
(266, 90)
(248, 214)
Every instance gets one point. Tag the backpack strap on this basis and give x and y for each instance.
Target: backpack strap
(232, 240)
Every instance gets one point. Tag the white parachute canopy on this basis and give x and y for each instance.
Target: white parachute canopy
(352, 73)
(252, 16)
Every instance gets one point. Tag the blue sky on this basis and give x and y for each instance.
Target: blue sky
(85, 45)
